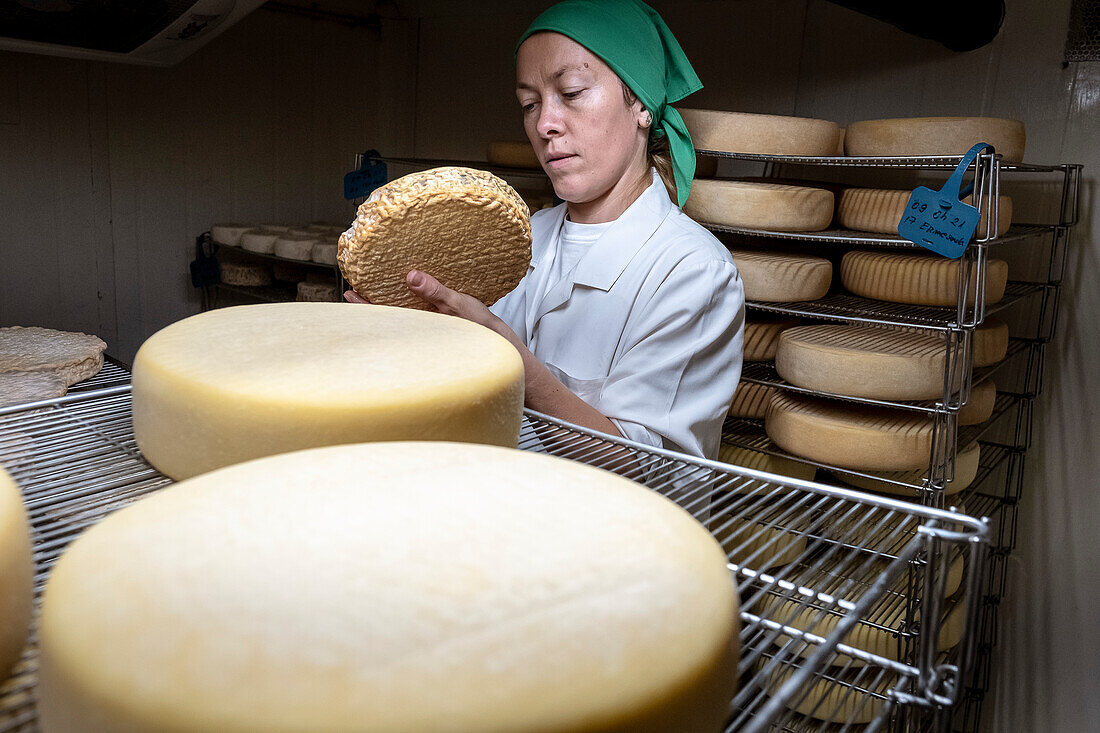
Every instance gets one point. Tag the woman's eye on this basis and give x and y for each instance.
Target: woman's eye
(528, 107)
(572, 95)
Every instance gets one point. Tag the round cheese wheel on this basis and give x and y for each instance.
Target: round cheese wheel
(762, 337)
(859, 437)
(229, 234)
(979, 408)
(966, 469)
(16, 574)
(317, 292)
(775, 277)
(951, 136)
(740, 132)
(514, 154)
(296, 246)
(244, 274)
(759, 461)
(879, 211)
(392, 587)
(324, 253)
(71, 355)
(467, 228)
(757, 205)
(863, 361)
(990, 342)
(757, 545)
(751, 400)
(916, 279)
(259, 241)
(234, 384)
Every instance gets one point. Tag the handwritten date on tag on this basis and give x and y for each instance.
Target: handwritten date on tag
(939, 220)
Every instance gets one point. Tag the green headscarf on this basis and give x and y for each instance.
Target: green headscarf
(634, 41)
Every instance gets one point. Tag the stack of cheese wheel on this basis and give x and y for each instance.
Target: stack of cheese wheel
(244, 274)
(760, 205)
(325, 292)
(751, 400)
(904, 483)
(762, 336)
(296, 245)
(857, 437)
(739, 132)
(512, 154)
(16, 574)
(260, 241)
(940, 136)
(880, 211)
(392, 587)
(234, 384)
(917, 279)
(766, 462)
(229, 234)
(776, 277)
(466, 227)
(864, 361)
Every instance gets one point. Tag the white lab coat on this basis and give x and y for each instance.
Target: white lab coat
(647, 327)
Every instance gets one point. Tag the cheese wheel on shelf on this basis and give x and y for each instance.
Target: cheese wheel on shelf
(296, 246)
(234, 384)
(979, 407)
(261, 242)
(16, 574)
(762, 337)
(751, 400)
(392, 587)
(245, 274)
(758, 205)
(944, 136)
(775, 277)
(317, 293)
(916, 279)
(229, 234)
(760, 461)
(990, 342)
(858, 437)
(966, 469)
(829, 697)
(879, 211)
(757, 545)
(466, 227)
(324, 253)
(513, 154)
(863, 361)
(740, 132)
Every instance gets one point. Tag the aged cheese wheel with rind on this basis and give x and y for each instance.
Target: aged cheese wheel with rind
(880, 210)
(979, 406)
(751, 400)
(465, 227)
(260, 241)
(760, 461)
(229, 234)
(16, 574)
(244, 274)
(762, 337)
(917, 279)
(966, 469)
(775, 277)
(392, 587)
(990, 342)
(296, 246)
(760, 205)
(742, 132)
(939, 136)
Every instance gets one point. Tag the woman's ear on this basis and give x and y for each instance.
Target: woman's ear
(645, 119)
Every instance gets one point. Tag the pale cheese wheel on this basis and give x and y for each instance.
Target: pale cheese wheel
(324, 253)
(513, 154)
(758, 205)
(392, 587)
(979, 406)
(966, 469)
(229, 234)
(917, 279)
(751, 400)
(259, 241)
(317, 292)
(990, 342)
(858, 437)
(234, 384)
(758, 545)
(775, 277)
(942, 136)
(863, 361)
(880, 211)
(467, 228)
(760, 461)
(16, 574)
(740, 132)
(245, 274)
(296, 246)
(762, 337)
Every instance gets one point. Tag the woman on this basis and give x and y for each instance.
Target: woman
(630, 319)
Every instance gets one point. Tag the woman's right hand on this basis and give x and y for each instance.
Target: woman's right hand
(353, 297)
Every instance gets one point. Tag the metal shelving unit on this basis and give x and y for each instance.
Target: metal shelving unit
(803, 619)
(274, 293)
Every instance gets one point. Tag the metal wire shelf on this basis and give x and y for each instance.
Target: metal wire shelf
(925, 162)
(853, 238)
(275, 258)
(76, 461)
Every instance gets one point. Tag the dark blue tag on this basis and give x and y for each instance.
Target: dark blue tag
(939, 220)
(371, 174)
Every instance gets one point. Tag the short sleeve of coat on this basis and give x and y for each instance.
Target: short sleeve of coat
(682, 360)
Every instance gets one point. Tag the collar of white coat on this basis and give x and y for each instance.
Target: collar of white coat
(602, 265)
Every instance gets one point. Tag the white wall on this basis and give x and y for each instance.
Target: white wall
(108, 172)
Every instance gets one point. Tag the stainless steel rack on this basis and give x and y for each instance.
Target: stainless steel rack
(264, 293)
(76, 461)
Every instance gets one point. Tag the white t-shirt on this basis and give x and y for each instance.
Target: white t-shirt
(576, 240)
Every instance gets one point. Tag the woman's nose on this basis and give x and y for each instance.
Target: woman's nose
(550, 120)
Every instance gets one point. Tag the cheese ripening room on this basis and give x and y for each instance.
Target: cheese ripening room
(595, 365)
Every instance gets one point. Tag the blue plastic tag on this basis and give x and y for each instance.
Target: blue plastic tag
(371, 174)
(939, 220)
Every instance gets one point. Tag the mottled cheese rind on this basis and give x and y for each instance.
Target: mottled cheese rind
(946, 136)
(776, 277)
(760, 205)
(742, 132)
